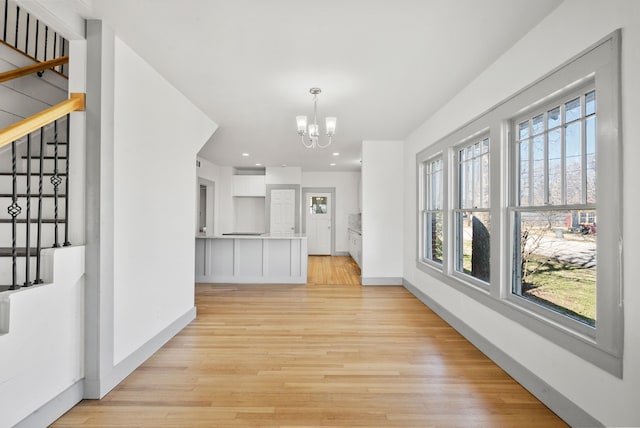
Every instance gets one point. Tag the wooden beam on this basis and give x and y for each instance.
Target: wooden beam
(34, 68)
(26, 126)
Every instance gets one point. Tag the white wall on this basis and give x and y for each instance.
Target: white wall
(346, 185)
(572, 27)
(249, 214)
(382, 199)
(283, 175)
(223, 219)
(42, 342)
(157, 134)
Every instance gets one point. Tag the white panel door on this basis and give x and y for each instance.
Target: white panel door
(283, 211)
(318, 208)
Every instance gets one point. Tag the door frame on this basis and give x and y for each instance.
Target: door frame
(267, 204)
(332, 192)
(211, 206)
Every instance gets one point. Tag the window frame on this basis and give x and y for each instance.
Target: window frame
(602, 346)
(515, 205)
(478, 137)
(425, 209)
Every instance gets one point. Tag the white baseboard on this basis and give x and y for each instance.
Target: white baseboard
(558, 403)
(387, 280)
(54, 408)
(125, 367)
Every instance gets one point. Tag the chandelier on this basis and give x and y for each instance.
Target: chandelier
(313, 131)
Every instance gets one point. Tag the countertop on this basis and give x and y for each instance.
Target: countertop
(263, 236)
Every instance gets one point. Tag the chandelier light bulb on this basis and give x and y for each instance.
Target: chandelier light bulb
(302, 124)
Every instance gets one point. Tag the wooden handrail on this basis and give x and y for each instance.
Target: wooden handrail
(26, 126)
(34, 68)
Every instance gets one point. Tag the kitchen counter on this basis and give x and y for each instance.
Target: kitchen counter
(256, 236)
(252, 259)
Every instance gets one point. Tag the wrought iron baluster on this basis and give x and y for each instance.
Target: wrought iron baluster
(27, 269)
(26, 37)
(39, 229)
(46, 41)
(55, 42)
(62, 65)
(15, 41)
(6, 20)
(14, 209)
(66, 186)
(55, 180)
(35, 55)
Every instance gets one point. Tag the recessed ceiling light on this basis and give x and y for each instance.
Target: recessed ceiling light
(332, 164)
(245, 155)
(284, 165)
(336, 154)
(258, 164)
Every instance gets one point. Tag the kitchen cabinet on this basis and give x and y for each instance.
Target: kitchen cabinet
(249, 185)
(355, 246)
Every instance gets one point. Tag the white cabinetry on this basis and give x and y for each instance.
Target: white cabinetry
(249, 185)
(355, 247)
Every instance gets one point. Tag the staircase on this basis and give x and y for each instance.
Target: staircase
(31, 37)
(34, 151)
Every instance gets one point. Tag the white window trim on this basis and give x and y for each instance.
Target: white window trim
(422, 251)
(604, 347)
(455, 204)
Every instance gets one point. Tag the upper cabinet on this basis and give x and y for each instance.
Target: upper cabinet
(249, 185)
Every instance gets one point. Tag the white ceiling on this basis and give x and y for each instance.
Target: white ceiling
(383, 66)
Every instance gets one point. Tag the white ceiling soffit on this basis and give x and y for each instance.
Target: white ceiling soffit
(383, 66)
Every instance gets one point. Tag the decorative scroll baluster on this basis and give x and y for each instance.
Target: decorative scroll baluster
(14, 209)
(39, 228)
(66, 186)
(55, 180)
(27, 269)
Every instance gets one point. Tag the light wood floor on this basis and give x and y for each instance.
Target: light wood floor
(326, 354)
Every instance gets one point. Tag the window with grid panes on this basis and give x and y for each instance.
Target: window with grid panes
(471, 215)
(553, 215)
(555, 218)
(432, 214)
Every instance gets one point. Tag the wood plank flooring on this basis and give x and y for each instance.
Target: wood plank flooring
(325, 354)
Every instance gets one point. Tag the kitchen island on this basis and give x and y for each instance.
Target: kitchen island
(252, 259)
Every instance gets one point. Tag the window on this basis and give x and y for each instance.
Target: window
(472, 216)
(432, 219)
(520, 208)
(554, 212)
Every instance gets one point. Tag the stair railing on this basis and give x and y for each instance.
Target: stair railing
(12, 135)
(34, 39)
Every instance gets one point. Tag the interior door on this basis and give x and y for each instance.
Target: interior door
(283, 220)
(318, 220)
